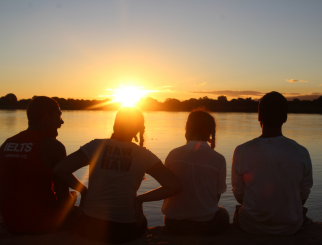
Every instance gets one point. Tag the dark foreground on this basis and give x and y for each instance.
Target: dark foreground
(160, 235)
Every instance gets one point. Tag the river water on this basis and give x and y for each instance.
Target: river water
(165, 131)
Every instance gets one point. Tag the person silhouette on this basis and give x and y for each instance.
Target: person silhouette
(202, 174)
(31, 201)
(111, 209)
(271, 176)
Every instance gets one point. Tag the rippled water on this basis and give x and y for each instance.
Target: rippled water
(165, 131)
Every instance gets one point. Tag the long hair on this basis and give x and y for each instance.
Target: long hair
(201, 125)
(129, 120)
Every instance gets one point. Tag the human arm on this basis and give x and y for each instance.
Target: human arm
(170, 186)
(218, 197)
(53, 151)
(221, 179)
(65, 168)
(307, 181)
(237, 180)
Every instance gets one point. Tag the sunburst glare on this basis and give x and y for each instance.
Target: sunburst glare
(129, 95)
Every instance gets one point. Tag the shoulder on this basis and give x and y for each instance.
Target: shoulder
(96, 143)
(218, 156)
(297, 145)
(52, 151)
(241, 148)
(145, 152)
(178, 149)
(52, 144)
(14, 137)
(176, 152)
(245, 145)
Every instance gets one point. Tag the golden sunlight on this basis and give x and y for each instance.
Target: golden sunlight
(128, 96)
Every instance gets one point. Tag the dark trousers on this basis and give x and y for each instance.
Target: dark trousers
(108, 231)
(216, 225)
(306, 221)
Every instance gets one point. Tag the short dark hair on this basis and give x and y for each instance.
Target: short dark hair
(201, 124)
(273, 108)
(39, 106)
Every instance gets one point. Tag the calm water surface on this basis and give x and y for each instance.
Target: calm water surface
(165, 131)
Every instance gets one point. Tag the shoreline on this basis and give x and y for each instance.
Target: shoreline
(160, 235)
(64, 109)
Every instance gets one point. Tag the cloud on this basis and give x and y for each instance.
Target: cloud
(231, 93)
(167, 86)
(296, 81)
(104, 96)
(163, 91)
(310, 96)
(200, 84)
(252, 93)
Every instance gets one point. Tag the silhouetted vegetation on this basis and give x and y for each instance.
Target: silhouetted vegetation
(221, 104)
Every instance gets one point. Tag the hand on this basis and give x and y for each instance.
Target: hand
(73, 197)
(140, 217)
(82, 201)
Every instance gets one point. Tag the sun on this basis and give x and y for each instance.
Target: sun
(128, 96)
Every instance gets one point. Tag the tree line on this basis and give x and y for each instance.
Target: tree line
(221, 104)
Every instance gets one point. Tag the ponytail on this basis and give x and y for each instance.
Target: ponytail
(213, 139)
(141, 132)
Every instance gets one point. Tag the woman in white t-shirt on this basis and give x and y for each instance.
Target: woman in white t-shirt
(111, 209)
(202, 174)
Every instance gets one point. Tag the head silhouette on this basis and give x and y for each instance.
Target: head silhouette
(272, 110)
(129, 122)
(44, 113)
(200, 125)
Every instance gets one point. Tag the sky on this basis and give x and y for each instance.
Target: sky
(171, 48)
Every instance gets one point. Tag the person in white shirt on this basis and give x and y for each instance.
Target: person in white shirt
(111, 210)
(271, 176)
(202, 174)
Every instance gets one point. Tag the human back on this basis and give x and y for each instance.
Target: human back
(25, 184)
(202, 174)
(29, 199)
(271, 176)
(111, 209)
(115, 178)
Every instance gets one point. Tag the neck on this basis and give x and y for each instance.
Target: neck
(36, 127)
(122, 137)
(271, 132)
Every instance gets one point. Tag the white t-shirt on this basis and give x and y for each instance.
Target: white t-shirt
(202, 174)
(272, 175)
(116, 172)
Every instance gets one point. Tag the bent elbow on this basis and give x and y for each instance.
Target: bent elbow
(57, 172)
(177, 189)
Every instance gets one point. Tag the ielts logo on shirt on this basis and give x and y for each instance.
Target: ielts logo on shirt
(16, 147)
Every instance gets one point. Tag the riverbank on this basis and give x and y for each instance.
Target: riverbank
(160, 235)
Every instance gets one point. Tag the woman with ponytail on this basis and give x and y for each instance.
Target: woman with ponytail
(202, 174)
(111, 211)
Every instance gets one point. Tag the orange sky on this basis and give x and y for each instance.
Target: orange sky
(180, 49)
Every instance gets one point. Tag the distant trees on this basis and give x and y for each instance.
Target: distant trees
(221, 104)
(9, 100)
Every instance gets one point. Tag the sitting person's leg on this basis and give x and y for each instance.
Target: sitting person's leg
(216, 225)
(107, 231)
(235, 218)
(306, 221)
